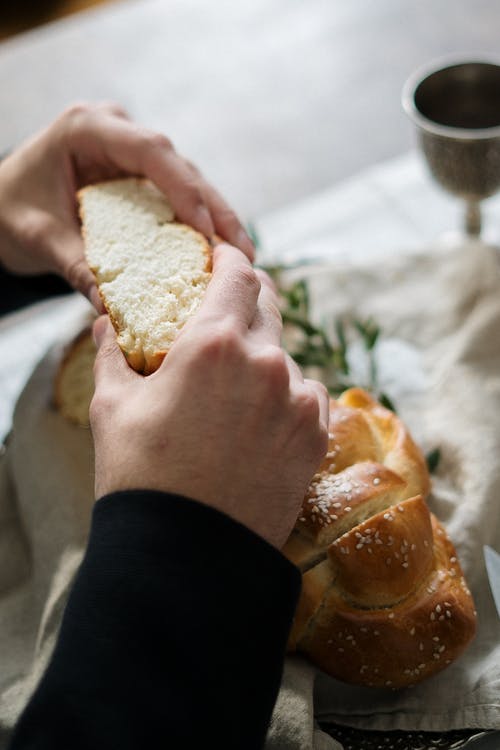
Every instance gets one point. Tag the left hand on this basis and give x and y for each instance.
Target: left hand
(39, 227)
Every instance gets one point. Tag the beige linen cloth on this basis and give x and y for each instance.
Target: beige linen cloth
(439, 359)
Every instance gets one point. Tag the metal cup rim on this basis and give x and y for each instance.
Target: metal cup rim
(424, 123)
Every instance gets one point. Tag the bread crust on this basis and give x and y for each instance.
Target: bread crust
(384, 602)
(140, 360)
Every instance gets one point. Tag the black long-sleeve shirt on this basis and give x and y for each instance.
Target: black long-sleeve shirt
(173, 636)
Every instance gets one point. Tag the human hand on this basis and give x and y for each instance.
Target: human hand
(227, 419)
(39, 227)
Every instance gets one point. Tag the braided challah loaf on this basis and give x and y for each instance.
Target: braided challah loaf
(384, 601)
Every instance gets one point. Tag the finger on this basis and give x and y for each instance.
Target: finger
(323, 400)
(110, 368)
(135, 150)
(233, 289)
(294, 370)
(112, 108)
(267, 325)
(69, 257)
(225, 220)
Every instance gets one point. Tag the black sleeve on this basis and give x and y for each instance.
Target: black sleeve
(173, 636)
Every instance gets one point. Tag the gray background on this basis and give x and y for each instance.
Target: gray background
(274, 99)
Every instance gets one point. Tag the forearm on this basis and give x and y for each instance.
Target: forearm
(175, 628)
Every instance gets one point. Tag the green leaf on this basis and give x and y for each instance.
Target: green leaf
(386, 401)
(293, 319)
(340, 331)
(433, 458)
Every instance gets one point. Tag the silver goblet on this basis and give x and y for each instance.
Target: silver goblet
(456, 109)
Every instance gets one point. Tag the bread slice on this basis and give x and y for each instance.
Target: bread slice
(74, 381)
(151, 271)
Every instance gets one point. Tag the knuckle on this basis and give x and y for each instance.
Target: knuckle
(308, 409)
(76, 111)
(113, 108)
(246, 277)
(273, 366)
(35, 229)
(224, 343)
(157, 141)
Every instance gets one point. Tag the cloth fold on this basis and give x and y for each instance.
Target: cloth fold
(438, 359)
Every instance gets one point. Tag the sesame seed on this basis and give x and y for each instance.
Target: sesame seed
(404, 565)
(426, 543)
(340, 650)
(378, 541)
(421, 646)
(347, 509)
(388, 682)
(436, 656)
(364, 630)
(391, 615)
(441, 618)
(388, 560)
(333, 517)
(447, 604)
(436, 638)
(432, 616)
(330, 641)
(448, 613)
(302, 519)
(349, 637)
(359, 546)
(438, 608)
(421, 666)
(407, 671)
(448, 661)
(413, 547)
(370, 551)
(401, 509)
(412, 631)
(441, 649)
(376, 480)
(453, 559)
(337, 505)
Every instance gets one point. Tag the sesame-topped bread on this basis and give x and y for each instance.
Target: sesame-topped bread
(151, 271)
(384, 602)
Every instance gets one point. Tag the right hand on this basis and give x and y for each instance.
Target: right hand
(227, 419)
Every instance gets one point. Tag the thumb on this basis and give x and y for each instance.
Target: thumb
(110, 366)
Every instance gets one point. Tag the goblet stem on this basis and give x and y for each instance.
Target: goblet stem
(473, 218)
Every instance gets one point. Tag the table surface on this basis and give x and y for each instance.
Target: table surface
(274, 99)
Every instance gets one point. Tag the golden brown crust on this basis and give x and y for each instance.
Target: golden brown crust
(384, 601)
(142, 362)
